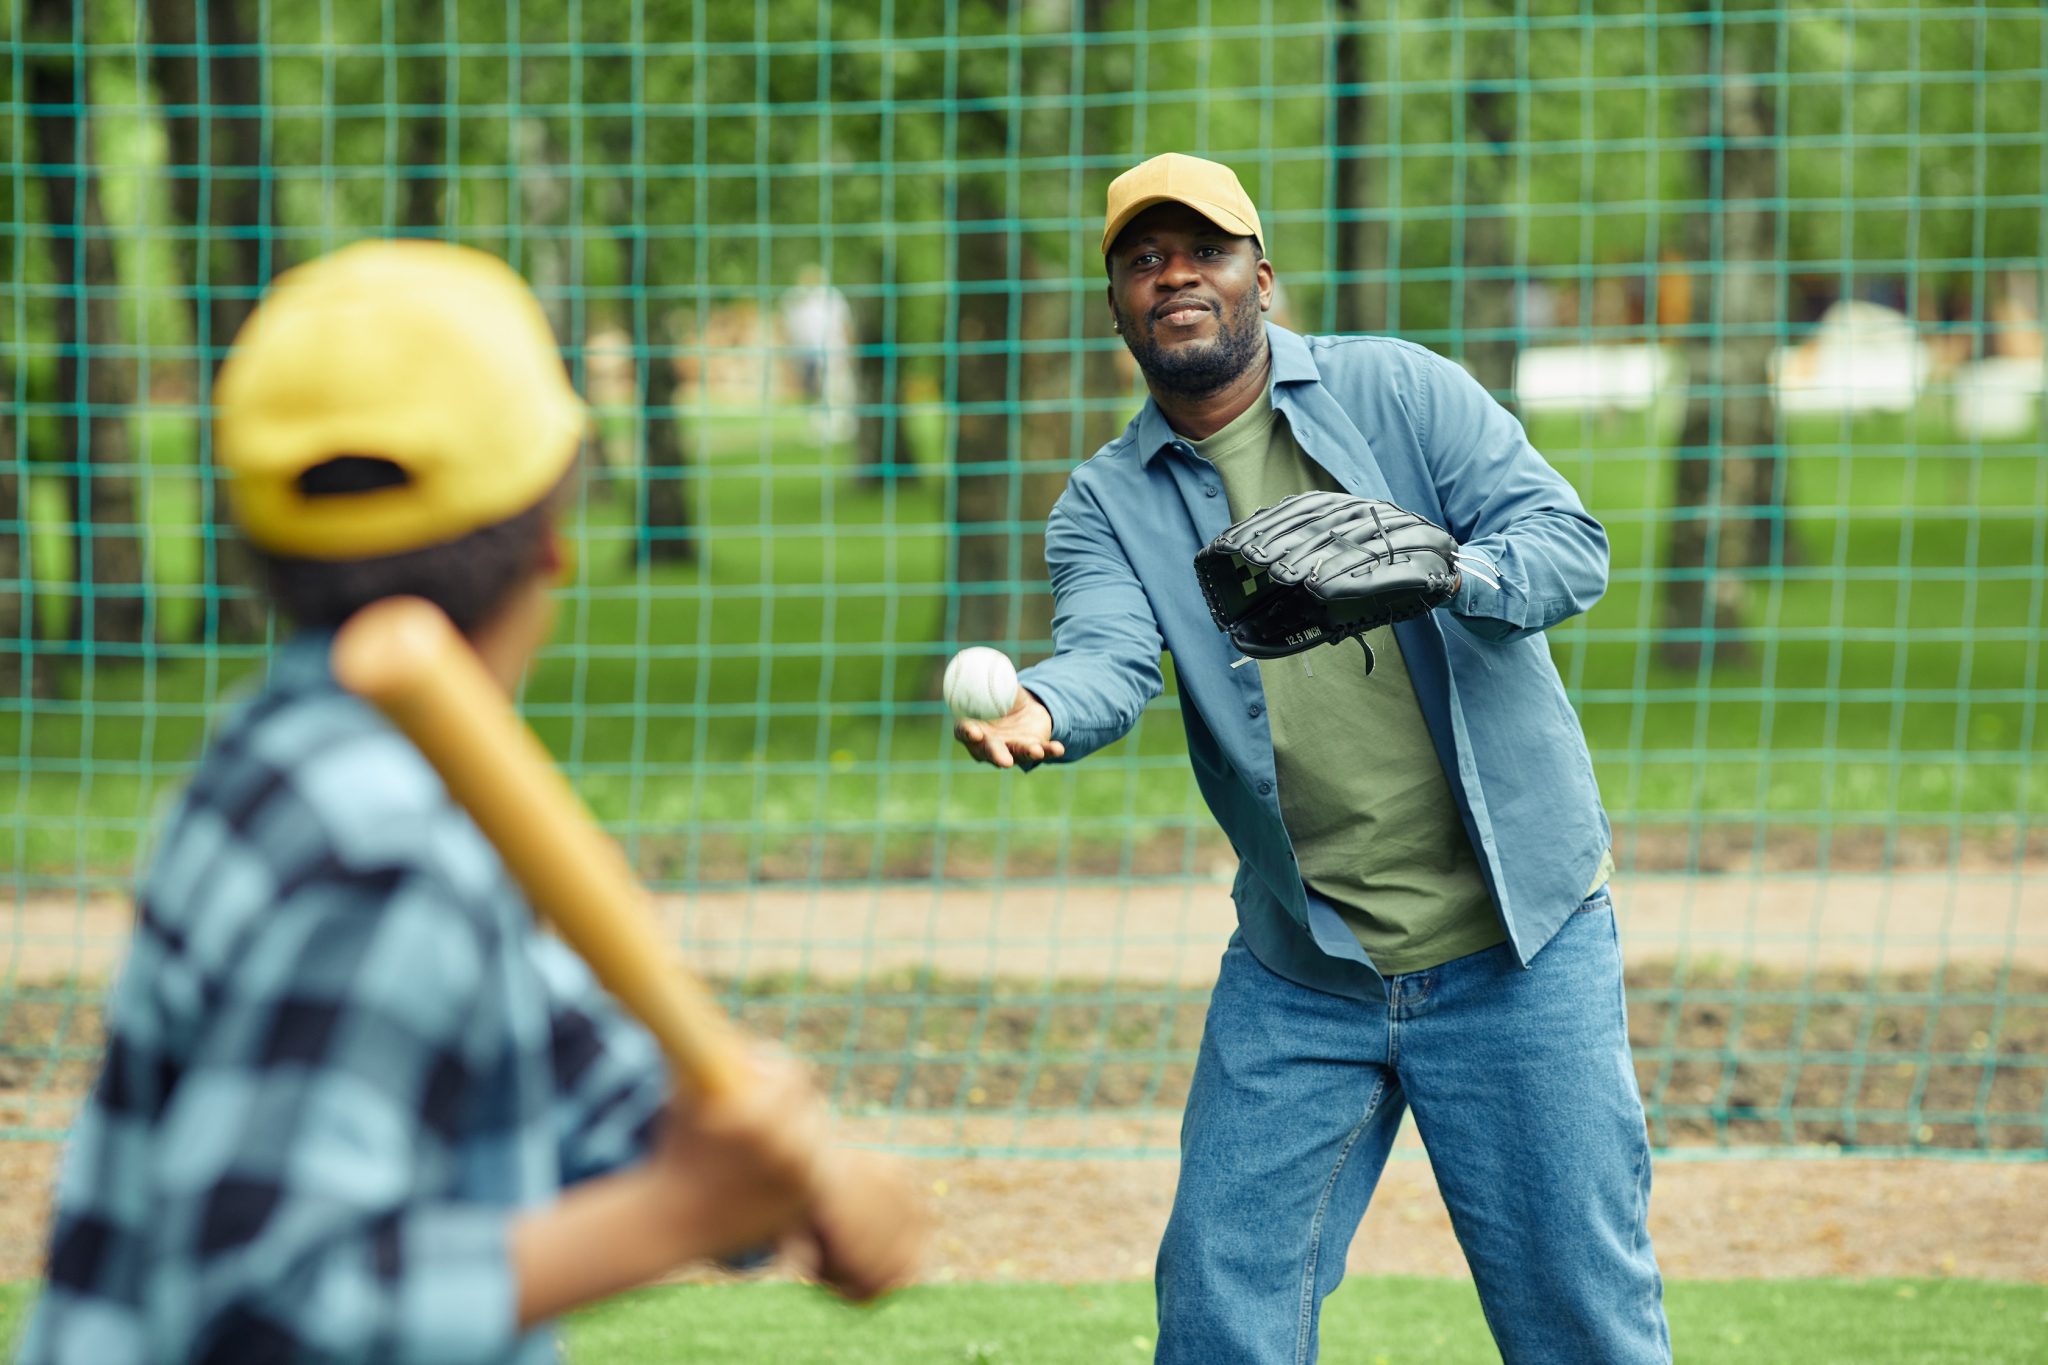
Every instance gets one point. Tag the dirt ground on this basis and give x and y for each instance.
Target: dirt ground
(1075, 1221)
(1748, 989)
(1727, 1055)
(1896, 919)
(1709, 1220)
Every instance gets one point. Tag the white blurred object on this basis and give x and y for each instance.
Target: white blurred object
(1862, 357)
(1998, 397)
(1593, 378)
(980, 684)
(818, 325)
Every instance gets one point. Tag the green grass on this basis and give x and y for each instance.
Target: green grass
(774, 705)
(1368, 1322)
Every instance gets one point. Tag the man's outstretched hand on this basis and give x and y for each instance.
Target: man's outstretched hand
(1023, 736)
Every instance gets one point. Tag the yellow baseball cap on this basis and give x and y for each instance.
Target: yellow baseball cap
(432, 356)
(1208, 187)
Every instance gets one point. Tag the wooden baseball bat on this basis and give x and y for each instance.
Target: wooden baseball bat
(406, 658)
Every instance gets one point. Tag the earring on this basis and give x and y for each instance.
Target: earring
(1116, 326)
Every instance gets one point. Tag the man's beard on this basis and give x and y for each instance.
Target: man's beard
(1200, 369)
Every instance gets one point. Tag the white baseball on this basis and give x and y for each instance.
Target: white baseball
(981, 684)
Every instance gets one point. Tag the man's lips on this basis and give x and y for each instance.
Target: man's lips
(1181, 312)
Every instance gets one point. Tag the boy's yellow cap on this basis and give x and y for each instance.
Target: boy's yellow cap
(1210, 188)
(435, 357)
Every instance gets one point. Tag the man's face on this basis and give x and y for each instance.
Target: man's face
(1187, 296)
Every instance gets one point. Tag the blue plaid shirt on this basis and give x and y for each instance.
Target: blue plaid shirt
(340, 1059)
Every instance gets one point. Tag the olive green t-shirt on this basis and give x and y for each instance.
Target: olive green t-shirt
(1362, 792)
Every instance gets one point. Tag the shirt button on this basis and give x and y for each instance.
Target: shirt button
(1209, 490)
(1253, 710)
(1265, 787)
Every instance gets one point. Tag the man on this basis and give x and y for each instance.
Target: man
(1424, 922)
(355, 1107)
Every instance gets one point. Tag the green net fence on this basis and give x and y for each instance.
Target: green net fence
(1765, 282)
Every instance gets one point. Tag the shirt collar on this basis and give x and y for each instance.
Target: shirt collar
(301, 662)
(1292, 364)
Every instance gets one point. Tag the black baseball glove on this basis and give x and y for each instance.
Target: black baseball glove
(1321, 568)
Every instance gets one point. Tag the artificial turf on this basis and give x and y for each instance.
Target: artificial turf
(1380, 1321)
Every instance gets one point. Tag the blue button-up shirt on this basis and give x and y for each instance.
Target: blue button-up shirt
(1389, 420)
(340, 1061)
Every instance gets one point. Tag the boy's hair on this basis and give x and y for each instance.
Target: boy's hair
(469, 577)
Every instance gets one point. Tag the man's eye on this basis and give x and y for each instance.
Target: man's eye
(1209, 251)
(1145, 258)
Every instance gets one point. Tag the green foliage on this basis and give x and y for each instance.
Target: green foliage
(672, 706)
(734, 146)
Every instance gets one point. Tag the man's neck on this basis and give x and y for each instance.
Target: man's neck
(1200, 418)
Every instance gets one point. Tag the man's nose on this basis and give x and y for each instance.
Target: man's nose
(1179, 270)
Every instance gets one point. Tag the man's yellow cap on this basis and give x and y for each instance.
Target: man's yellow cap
(1208, 187)
(432, 356)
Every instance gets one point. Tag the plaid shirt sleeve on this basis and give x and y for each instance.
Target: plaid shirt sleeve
(323, 1094)
(611, 1082)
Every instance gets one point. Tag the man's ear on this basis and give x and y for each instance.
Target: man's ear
(1109, 294)
(1265, 285)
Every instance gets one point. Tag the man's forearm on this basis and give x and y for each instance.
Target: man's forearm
(1548, 569)
(1093, 700)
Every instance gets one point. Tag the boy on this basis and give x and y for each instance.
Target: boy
(354, 1106)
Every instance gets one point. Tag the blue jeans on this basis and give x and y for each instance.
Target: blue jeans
(1526, 1100)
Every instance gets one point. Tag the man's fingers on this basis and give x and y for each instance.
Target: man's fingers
(1008, 742)
(1038, 750)
(979, 741)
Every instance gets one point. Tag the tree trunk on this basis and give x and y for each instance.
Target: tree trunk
(665, 517)
(1361, 245)
(988, 327)
(1489, 287)
(1728, 475)
(423, 141)
(14, 566)
(545, 196)
(95, 386)
(661, 513)
(886, 449)
(222, 192)
(999, 507)
(224, 198)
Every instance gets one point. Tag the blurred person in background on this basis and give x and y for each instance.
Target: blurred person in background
(817, 328)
